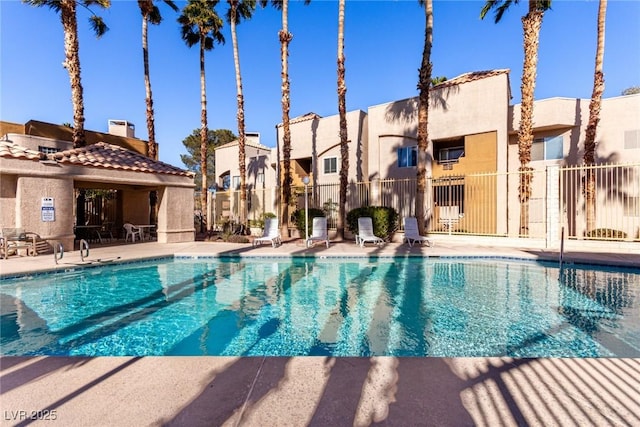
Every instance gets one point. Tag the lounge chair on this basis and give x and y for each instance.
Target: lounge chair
(411, 232)
(271, 233)
(132, 231)
(365, 232)
(319, 231)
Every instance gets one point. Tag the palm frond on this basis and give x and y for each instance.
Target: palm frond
(98, 26)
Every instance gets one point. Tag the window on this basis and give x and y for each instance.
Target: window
(548, 148)
(631, 139)
(48, 150)
(236, 183)
(450, 155)
(226, 180)
(447, 151)
(407, 157)
(260, 178)
(331, 165)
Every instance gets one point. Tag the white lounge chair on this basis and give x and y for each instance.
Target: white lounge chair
(411, 232)
(365, 232)
(319, 231)
(132, 231)
(271, 233)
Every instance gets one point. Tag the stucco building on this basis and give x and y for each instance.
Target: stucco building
(40, 170)
(472, 131)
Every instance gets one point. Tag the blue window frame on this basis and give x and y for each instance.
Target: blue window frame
(407, 157)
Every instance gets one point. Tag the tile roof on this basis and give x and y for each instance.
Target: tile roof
(303, 118)
(115, 157)
(247, 143)
(100, 155)
(470, 77)
(11, 149)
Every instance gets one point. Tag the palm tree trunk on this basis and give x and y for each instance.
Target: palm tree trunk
(72, 64)
(240, 117)
(151, 145)
(285, 39)
(424, 82)
(594, 118)
(531, 24)
(203, 133)
(342, 111)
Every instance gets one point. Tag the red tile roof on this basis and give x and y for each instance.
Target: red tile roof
(11, 149)
(303, 118)
(101, 155)
(470, 77)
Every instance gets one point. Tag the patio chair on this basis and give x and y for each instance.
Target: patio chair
(318, 232)
(411, 232)
(271, 233)
(365, 232)
(132, 231)
(15, 239)
(106, 231)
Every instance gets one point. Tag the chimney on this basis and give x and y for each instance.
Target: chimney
(122, 128)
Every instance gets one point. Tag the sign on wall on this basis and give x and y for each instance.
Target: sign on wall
(48, 213)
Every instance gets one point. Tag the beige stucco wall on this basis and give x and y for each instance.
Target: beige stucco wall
(135, 206)
(227, 161)
(617, 116)
(477, 110)
(569, 118)
(173, 224)
(23, 184)
(466, 109)
(8, 186)
(319, 138)
(35, 142)
(25, 210)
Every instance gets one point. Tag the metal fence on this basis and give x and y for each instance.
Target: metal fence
(482, 203)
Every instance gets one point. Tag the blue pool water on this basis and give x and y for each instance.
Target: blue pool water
(441, 307)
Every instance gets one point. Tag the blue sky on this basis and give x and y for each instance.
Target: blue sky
(384, 42)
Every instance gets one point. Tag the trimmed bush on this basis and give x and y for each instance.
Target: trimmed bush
(606, 233)
(259, 223)
(299, 218)
(384, 219)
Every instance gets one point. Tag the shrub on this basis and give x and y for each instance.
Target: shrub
(299, 218)
(234, 238)
(384, 219)
(606, 233)
(259, 223)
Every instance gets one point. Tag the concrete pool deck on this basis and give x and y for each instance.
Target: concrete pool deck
(318, 391)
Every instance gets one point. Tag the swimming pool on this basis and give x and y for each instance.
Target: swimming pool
(440, 307)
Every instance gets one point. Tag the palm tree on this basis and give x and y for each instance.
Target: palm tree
(201, 25)
(240, 9)
(594, 118)
(531, 24)
(150, 14)
(424, 83)
(342, 111)
(285, 38)
(67, 11)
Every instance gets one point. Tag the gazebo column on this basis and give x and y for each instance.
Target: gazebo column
(35, 197)
(173, 225)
